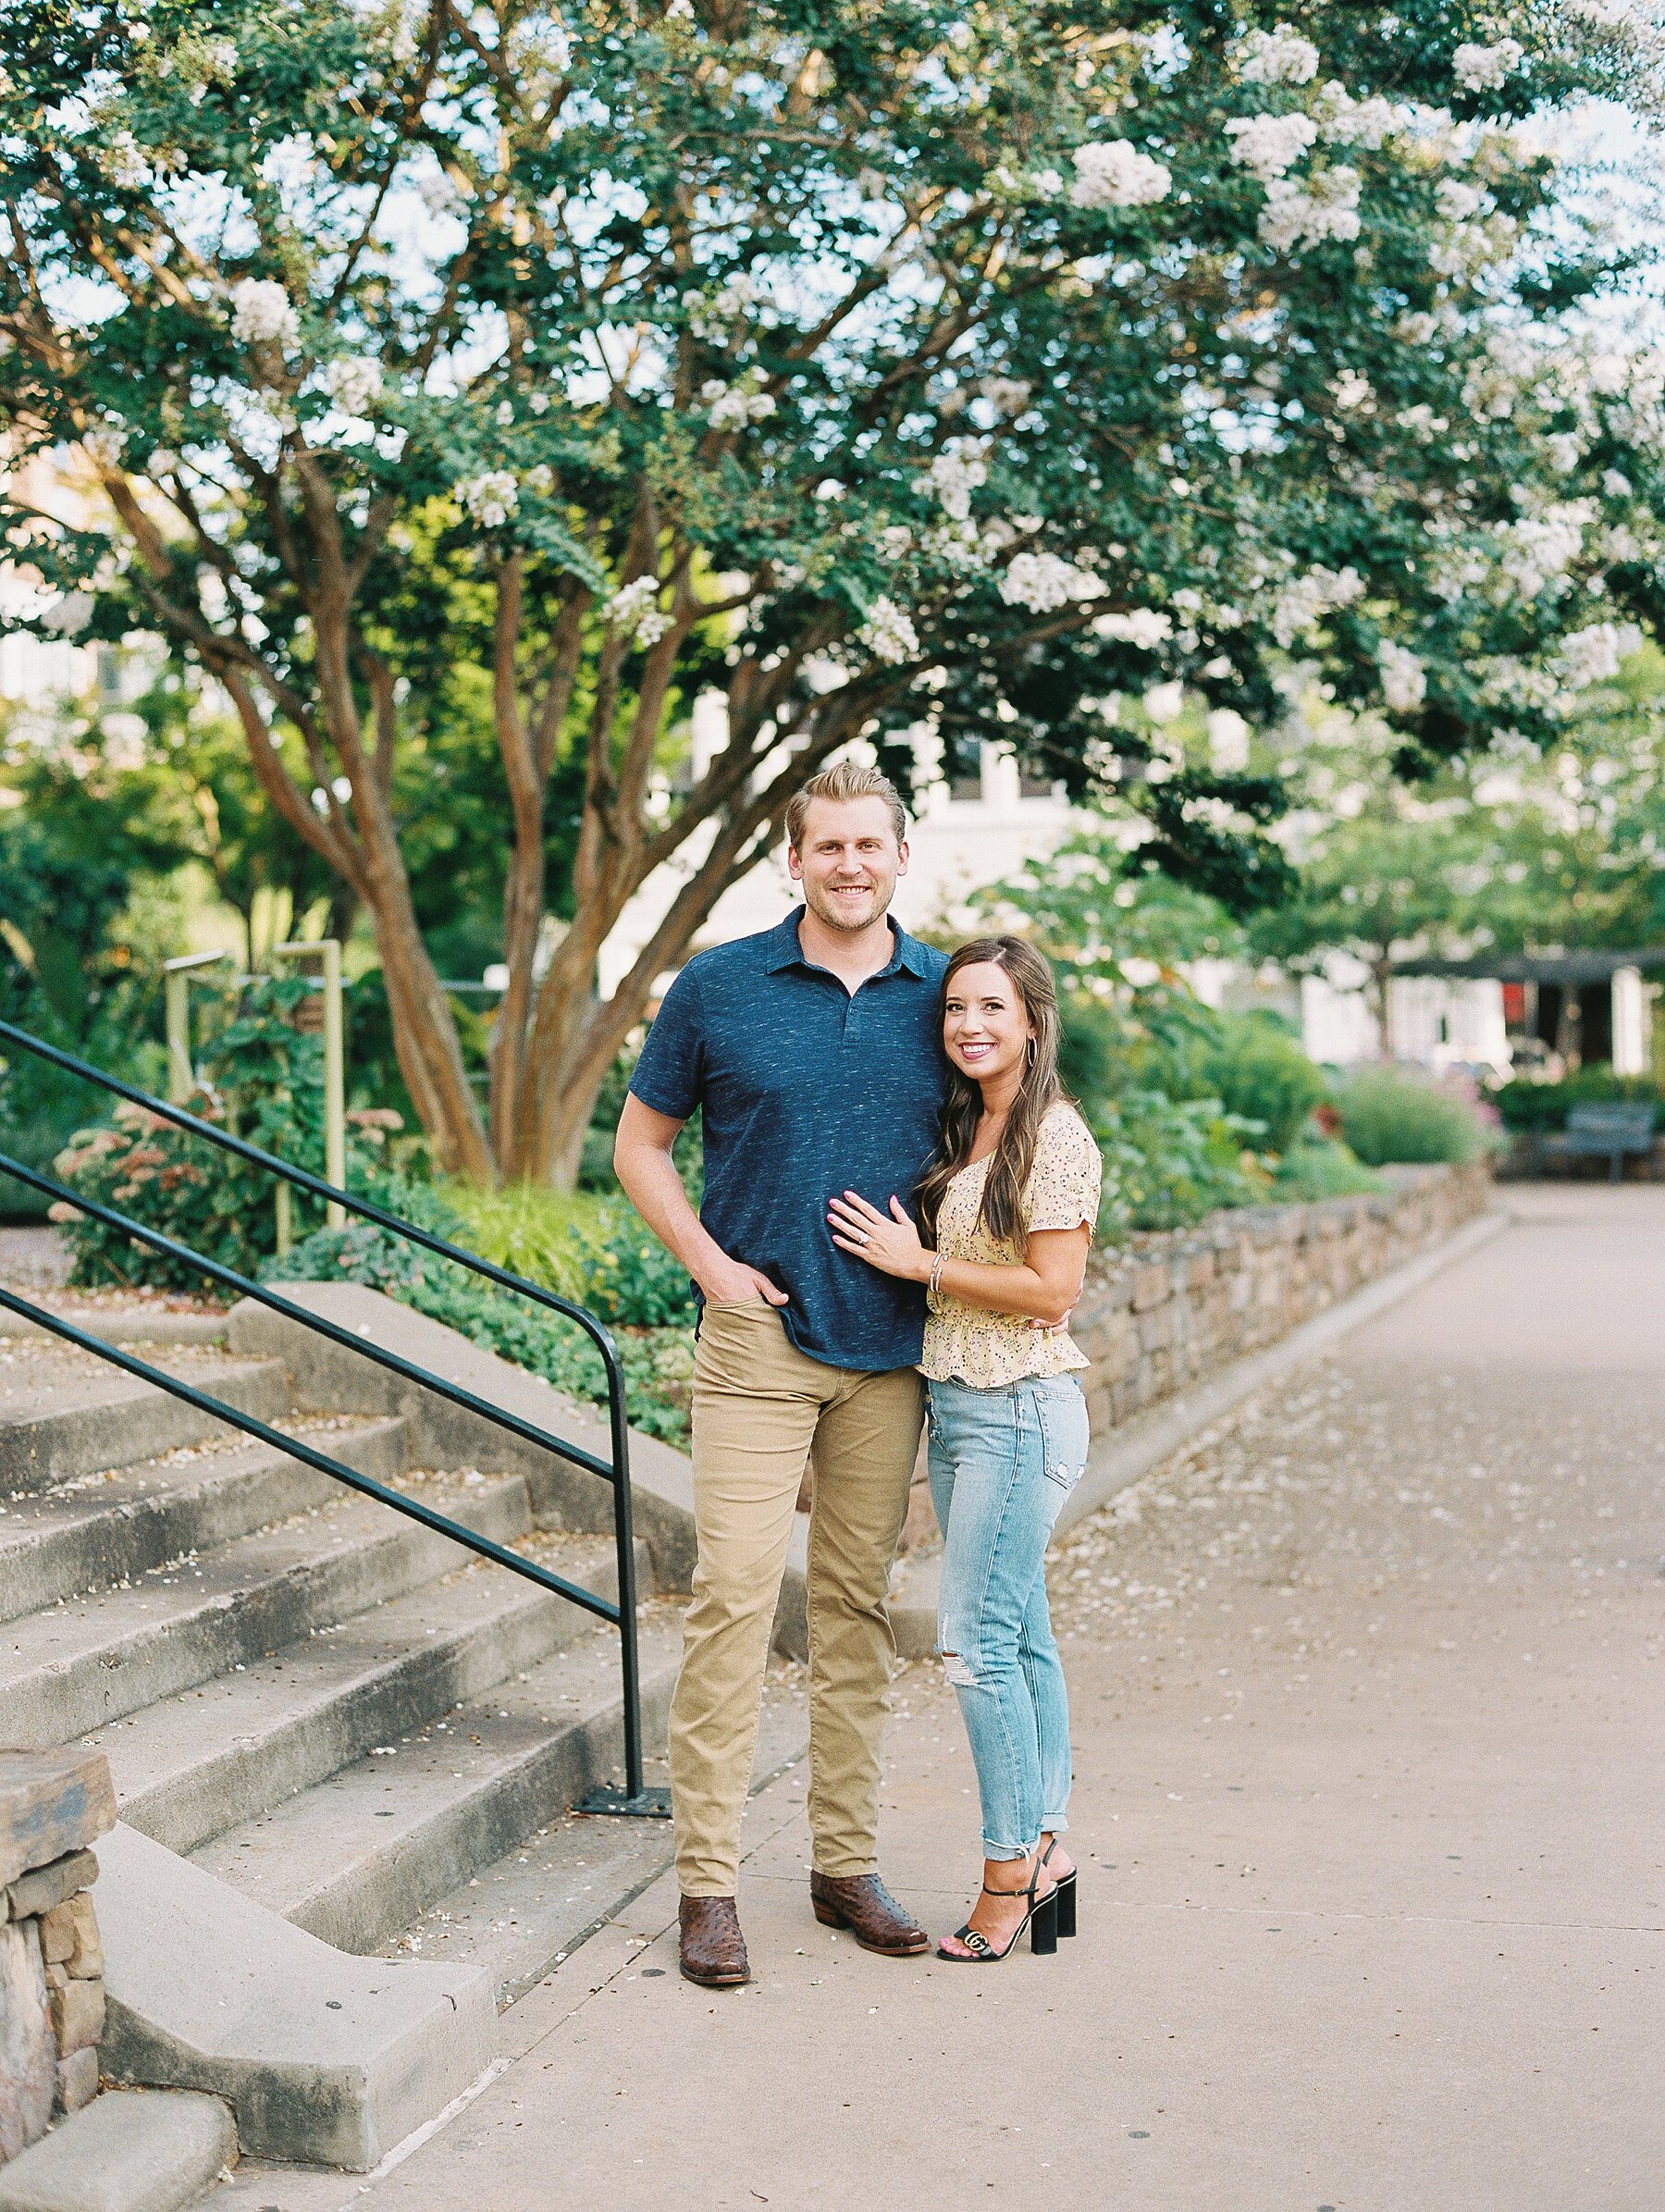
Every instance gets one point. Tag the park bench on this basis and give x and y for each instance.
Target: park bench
(1614, 1131)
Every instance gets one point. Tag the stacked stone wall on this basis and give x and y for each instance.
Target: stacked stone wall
(1174, 1307)
(51, 1999)
(1171, 1308)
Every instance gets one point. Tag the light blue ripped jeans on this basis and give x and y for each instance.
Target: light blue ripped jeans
(1002, 1463)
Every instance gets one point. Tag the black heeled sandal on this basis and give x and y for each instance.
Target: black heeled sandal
(1041, 1920)
(1064, 1890)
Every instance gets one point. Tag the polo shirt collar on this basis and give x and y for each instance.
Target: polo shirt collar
(785, 951)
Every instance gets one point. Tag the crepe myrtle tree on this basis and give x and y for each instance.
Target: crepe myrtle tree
(888, 365)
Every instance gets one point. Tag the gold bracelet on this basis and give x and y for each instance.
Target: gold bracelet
(934, 1289)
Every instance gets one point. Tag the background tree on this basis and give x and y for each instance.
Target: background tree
(879, 362)
(1527, 852)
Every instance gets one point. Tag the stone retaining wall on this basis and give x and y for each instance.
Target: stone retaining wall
(52, 1804)
(1173, 1307)
(1177, 1307)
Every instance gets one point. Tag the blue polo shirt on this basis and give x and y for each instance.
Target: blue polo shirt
(807, 1089)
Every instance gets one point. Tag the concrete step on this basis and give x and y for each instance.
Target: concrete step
(64, 1412)
(223, 1754)
(323, 2058)
(359, 1856)
(90, 1530)
(72, 1670)
(129, 2150)
(519, 1917)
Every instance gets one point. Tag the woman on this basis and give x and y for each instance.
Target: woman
(1006, 1214)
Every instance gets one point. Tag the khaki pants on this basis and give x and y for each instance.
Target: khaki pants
(759, 1404)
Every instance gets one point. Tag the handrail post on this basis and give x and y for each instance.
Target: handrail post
(175, 994)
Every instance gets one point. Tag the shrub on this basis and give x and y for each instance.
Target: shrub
(1319, 1167)
(1168, 1161)
(658, 1364)
(1260, 1073)
(1523, 1104)
(1390, 1116)
(262, 1079)
(595, 1250)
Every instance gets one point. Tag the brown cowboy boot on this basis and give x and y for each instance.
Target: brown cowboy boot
(863, 1905)
(713, 1950)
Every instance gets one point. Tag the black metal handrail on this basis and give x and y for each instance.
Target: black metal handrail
(634, 1798)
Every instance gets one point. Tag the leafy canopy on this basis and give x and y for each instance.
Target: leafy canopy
(981, 360)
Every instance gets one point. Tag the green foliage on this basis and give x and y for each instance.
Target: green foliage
(1526, 1105)
(657, 1361)
(1261, 1074)
(980, 354)
(1390, 1117)
(594, 1251)
(84, 921)
(548, 1236)
(261, 1079)
(1317, 1166)
(1169, 1162)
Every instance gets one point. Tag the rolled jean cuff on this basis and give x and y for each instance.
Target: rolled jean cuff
(1007, 1851)
(1054, 1823)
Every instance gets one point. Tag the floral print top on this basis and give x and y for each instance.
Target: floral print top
(969, 1343)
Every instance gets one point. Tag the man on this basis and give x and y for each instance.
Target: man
(813, 1052)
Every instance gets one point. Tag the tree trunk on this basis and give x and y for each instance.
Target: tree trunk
(1381, 973)
(425, 1038)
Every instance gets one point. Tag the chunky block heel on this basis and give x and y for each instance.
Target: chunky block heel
(1043, 1926)
(1064, 1890)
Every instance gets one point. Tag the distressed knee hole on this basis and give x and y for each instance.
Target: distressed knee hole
(959, 1671)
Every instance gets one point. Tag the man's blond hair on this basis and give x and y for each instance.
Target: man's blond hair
(846, 780)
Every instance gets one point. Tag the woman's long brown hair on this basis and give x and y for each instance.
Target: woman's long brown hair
(1014, 1156)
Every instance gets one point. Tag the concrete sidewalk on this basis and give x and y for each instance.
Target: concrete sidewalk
(1367, 1694)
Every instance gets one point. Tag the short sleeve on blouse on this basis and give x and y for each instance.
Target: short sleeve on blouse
(1068, 1173)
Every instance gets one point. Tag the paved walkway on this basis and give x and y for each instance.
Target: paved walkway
(1370, 1727)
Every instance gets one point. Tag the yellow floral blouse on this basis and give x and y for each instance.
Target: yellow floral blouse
(969, 1343)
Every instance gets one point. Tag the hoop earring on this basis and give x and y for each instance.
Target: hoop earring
(1030, 1052)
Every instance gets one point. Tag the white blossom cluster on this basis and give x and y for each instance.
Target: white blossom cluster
(960, 547)
(1043, 581)
(636, 612)
(1277, 56)
(1304, 600)
(354, 384)
(1593, 654)
(888, 633)
(1483, 68)
(1344, 121)
(1114, 174)
(1146, 627)
(1327, 205)
(263, 313)
(1007, 395)
(1267, 145)
(712, 314)
(733, 406)
(1227, 736)
(123, 162)
(1470, 247)
(955, 474)
(491, 497)
(1350, 390)
(1537, 549)
(1404, 680)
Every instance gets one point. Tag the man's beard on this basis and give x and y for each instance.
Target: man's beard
(836, 919)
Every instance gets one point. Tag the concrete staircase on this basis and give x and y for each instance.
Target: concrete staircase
(314, 1707)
